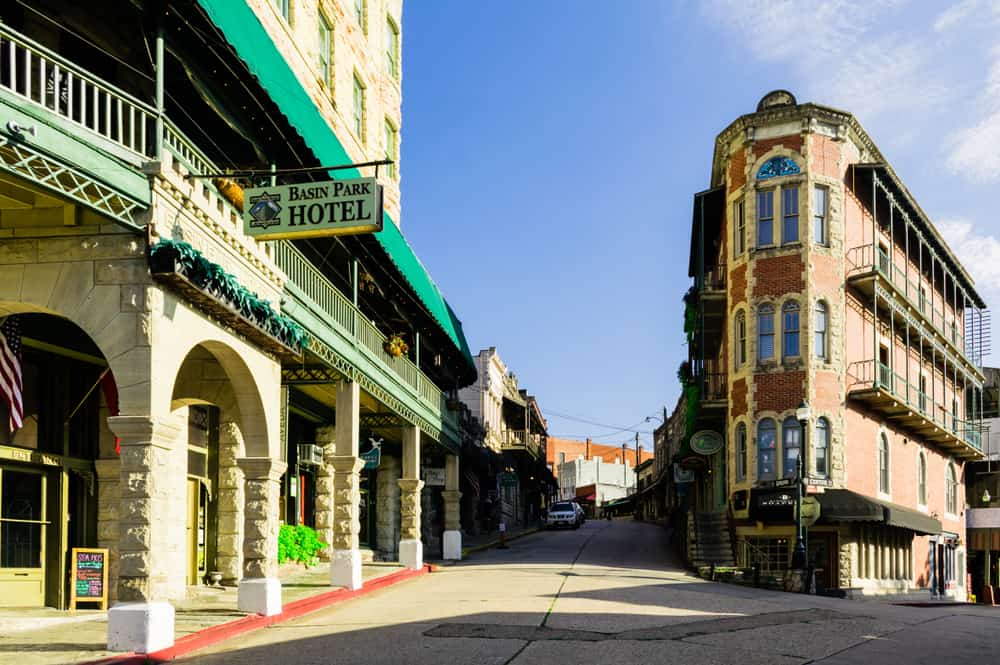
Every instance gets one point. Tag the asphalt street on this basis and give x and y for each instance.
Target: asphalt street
(609, 594)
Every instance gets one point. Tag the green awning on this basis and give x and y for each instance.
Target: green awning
(251, 42)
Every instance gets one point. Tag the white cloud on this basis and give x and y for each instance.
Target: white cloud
(954, 15)
(979, 252)
(973, 151)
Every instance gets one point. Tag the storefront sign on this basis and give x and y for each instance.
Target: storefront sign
(434, 476)
(373, 456)
(772, 505)
(22, 455)
(89, 577)
(682, 475)
(810, 511)
(310, 210)
(706, 442)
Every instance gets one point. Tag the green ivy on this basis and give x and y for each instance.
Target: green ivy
(691, 397)
(212, 278)
(298, 543)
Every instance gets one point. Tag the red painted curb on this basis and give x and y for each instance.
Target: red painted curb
(224, 631)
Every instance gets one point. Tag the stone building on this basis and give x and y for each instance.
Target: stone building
(819, 279)
(186, 388)
(515, 485)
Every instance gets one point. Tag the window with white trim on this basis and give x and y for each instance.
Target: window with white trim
(819, 214)
(789, 215)
(790, 329)
(765, 218)
(765, 332)
(820, 317)
(739, 228)
(740, 332)
(766, 448)
(741, 452)
(883, 464)
(821, 448)
(791, 446)
(951, 490)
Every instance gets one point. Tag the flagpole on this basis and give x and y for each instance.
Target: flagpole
(92, 388)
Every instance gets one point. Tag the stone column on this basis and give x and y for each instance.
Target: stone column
(229, 553)
(142, 620)
(260, 589)
(411, 549)
(108, 512)
(325, 438)
(452, 510)
(345, 555)
(387, 519)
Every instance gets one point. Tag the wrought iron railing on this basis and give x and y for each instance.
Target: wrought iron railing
(867, 374)
(865, 259)
(36, 74)
(713, 386)
(519, 439)
(714, 278)
(349, 321)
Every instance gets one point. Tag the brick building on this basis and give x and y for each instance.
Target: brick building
(819, 279)
(563, 450)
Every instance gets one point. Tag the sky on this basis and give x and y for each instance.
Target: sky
(550, 151)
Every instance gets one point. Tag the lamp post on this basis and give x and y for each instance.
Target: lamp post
(799, 554)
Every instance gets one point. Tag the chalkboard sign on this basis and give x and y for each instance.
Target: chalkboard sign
(89, 579)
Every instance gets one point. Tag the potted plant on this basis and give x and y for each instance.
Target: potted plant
(395, 346)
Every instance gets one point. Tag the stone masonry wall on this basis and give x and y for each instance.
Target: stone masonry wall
(387, 521)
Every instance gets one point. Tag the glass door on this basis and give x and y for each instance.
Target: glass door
(22, 538)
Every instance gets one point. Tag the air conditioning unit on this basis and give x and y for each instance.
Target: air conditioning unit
(310, 454)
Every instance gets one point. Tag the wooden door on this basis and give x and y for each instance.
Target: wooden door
(193, 492)
(22, 537)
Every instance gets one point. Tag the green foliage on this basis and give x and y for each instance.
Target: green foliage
(212, 278)
(298, 543)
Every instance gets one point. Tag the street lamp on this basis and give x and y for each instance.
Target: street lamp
(799, 554)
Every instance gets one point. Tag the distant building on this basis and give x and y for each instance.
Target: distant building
(560, 450)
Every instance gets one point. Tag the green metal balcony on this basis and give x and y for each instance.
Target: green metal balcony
(904, 403)
(521, 440)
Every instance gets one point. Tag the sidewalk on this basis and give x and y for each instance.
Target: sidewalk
(50, 637)
(484, 541)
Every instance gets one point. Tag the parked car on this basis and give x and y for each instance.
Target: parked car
(580, 511)
(564, 513)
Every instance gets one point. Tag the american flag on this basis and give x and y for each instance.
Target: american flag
(10, 368)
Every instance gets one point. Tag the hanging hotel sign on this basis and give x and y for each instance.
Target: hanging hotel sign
(373, 456)
(310, 210)
(706, 442)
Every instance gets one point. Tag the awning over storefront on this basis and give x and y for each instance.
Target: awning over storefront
(848, 506)
(252, 43)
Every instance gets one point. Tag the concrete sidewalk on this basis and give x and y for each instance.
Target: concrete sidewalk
(50, 637)
(484, 541)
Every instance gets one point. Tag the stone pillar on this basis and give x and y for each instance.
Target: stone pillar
(411, 549)
(452, 510)
(325, 438)
(260, 589)
(108, 511)
(345, 555)
(387, 519)
(142, 620)
(229, 540)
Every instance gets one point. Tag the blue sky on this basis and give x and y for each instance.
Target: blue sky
(550, 151)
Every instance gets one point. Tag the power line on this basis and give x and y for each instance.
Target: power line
(617, 428)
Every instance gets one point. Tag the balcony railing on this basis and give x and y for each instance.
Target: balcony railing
(714, 278)
(519, 439)
(865, 259)
(119, 121)
(712, 386)
(349, 321)
(36, 74)
(870, 374)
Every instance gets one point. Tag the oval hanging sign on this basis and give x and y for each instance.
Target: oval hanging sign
(706, 442)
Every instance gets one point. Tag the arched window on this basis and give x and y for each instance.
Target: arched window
(819, 330)
(740, 447)
(791, 446)
(821, 448)
(951, 490)
(922, 479)
(740, 331)
(790, 329)
(766, 444)
(777, 166)
(765, 332)
(883, 464)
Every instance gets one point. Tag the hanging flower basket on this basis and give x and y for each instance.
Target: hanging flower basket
(230, 191)
(395, 346)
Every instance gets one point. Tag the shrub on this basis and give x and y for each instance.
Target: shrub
(298, 543)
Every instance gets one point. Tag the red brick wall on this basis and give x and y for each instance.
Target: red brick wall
(779, 391)
(737, 169)
(778, 275)
(738, 285)
(738, 398)
(791, 142)
(824, 155)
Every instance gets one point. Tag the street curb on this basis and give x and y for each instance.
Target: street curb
(224, 631)
(493, 543)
